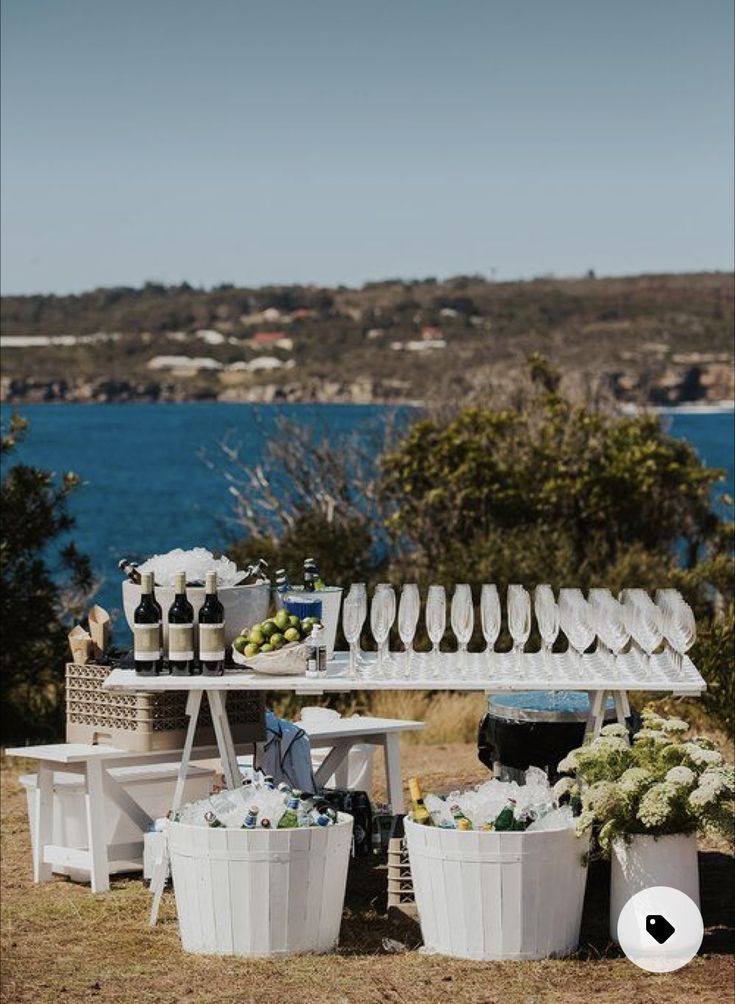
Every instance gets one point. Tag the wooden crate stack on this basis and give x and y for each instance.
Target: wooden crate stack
(400, 884)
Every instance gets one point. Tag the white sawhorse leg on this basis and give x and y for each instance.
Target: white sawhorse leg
(596, 714)
(160, 870)
(393, 780)
(99, 868)
(225, 745)
(44, 821)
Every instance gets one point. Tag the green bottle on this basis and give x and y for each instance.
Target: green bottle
(506, 816)
(459, 817)
(290, 818)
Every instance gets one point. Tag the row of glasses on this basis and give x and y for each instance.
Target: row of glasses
(612, 622)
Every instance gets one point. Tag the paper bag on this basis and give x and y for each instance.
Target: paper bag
(81, 645)
(99, 629)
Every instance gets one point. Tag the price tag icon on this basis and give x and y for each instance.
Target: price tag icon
(659, 928)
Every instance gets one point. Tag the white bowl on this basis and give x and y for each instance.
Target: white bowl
(244, 605)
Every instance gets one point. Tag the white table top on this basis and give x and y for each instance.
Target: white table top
(359, 725)
(502, 674)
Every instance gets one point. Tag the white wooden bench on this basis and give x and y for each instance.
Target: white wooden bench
(92, 764)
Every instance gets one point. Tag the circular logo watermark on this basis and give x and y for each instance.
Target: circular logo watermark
(660, 929)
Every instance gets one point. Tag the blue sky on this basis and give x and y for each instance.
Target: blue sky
(333, 142)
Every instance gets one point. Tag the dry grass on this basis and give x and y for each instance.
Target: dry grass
(61, 944)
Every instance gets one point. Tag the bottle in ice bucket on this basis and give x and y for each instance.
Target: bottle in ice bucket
(312, 576)
(284, 790)
(506, 816)
(282, 584)
(265, 824)
(251, 819)
(322, 819)
(459, 818)
(290, 818)
(269, 782)
(147, 633)
(212, 629)
(211, 820)
(419, 813)
(181, 630)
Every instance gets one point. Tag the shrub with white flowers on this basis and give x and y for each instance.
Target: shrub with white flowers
(663, 783)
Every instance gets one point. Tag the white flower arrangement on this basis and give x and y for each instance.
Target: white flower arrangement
(661, 783)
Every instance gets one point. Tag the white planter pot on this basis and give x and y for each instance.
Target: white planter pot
(648, 861)
(244, 605)
(498, 895)
(259, 892)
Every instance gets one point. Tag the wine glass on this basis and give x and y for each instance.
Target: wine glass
(354, 611)
(609, 623)
(382, 615)
(643, 620)
(463, 620)
(547, 618)
(490, 618)
(436, 620)
(408, 617)
(678, 623)
(576, 622)
(519, 619)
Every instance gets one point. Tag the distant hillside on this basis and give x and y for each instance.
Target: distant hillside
(659, 339)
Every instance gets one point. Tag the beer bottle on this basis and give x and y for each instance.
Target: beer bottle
(265, 824)
(309, 576)
(459, 817)
(290, 818)
(506, 816)
(282, 584)
(211, 820)
(419, 813)
(251, 819)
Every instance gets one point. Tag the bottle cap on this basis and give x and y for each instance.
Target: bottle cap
(415, 788)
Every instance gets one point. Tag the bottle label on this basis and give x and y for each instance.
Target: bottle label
(180, 642)
(311, 665)
(211, 642)
(147, 642)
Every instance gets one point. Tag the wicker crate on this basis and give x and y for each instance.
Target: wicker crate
(400, 883)
(144, 722)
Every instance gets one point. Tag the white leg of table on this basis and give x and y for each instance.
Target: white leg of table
(160, 870)
(332, 762)
(193, 704)
(621, 705)
(625, 703)
(596, 714)
(233, 778)
(393, 780)
(342, 773)
(97, 828)
(44, 820)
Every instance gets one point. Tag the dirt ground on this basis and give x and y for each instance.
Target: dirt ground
(61, 944)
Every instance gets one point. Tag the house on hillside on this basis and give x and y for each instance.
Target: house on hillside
(431, 333)
(267, 337)
(183, 365)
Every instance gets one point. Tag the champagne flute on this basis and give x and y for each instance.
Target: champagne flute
(547, 618)
(436, 621)
(644, 621)
(679, 625)
(576, 622)
(408, 617)
(382, 615)
(609, 623)
(354, 611)
(463, 621)
(490, 618)
(519, 619)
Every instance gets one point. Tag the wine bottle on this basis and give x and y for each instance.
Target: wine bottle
(181, 630)
(147, 634)
(420, 814)
(212, 630)
(506, 816)
(309, 576)
(131, 570)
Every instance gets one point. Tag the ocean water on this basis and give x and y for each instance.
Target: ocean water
(146, 487)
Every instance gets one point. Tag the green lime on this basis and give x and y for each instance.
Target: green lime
(256, 636)
(281, 619)
(251, 650)
(240, 642)
(291, 634)
(277, 640)
(266, 648)
(294, 621)
(268, 628)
